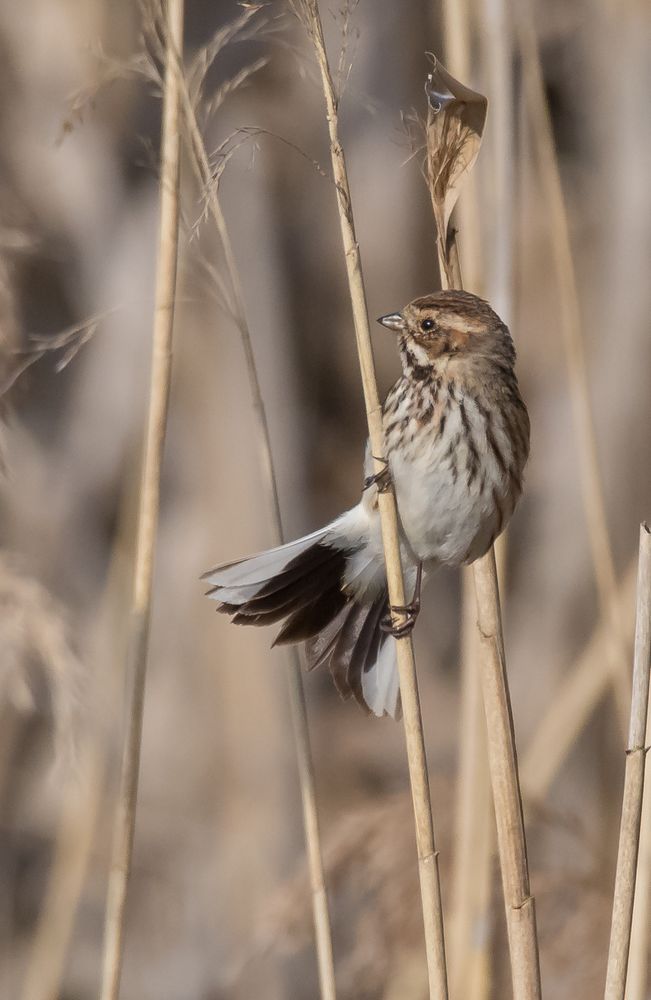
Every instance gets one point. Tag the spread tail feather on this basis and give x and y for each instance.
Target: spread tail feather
(360, 656)
(303, 585)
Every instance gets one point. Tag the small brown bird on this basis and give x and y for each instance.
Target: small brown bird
(457, 440)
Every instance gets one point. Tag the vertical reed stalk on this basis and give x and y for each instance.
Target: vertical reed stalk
(502, 757)
(321, 915)
(638, 956)
(427, 854)
(570, 316)
(470, 973)
(470, 958)
(161, 370)
(629, 835)
(472, 874)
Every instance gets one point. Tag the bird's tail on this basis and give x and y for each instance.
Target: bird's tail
(303, 585)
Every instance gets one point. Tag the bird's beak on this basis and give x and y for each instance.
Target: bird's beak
(393, 321)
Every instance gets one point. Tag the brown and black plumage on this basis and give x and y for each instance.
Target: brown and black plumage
(457, 440)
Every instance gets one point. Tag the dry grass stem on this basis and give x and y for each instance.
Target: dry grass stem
(502, 758)
(235, 299)
(427, 855)
(470, 957)
(638, 956)
(519, 903)
(629, 835)
(571, 329)
(149, 503)
(470, 974)
(470, 953)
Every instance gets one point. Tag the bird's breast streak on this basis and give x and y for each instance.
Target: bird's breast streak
(449, 493)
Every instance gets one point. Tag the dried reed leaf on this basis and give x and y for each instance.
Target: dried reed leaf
(455, 123)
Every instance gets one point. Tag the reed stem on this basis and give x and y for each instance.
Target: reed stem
(148, 514)
(629, 835)
(502, 759)
(427, 854)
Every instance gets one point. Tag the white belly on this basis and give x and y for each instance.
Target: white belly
(447, 514)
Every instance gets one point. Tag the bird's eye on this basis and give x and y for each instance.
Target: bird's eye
(426, 325)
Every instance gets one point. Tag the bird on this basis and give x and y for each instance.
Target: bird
(456, 435)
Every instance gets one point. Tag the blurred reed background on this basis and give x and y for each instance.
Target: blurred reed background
(218, 906)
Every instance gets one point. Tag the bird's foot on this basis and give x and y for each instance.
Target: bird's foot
(406, 627)
(410, 611)
(381, 479)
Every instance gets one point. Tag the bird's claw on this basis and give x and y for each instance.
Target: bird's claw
(400, 630)
(410, 611)
(381, 480)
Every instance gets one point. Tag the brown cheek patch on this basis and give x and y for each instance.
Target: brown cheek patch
(448, 342)
(458, 339)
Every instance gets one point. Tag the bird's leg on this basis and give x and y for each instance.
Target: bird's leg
(381, 479)
(411, 611)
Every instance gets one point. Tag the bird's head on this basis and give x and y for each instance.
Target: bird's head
(438, 328)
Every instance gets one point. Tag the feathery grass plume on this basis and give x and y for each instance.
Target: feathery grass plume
(456, 136)
(149, 500)
(250, 25)
(66, 343)
(40, 672)
(308, 12)
(629, 836)
(349, 40)
(366, 856)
